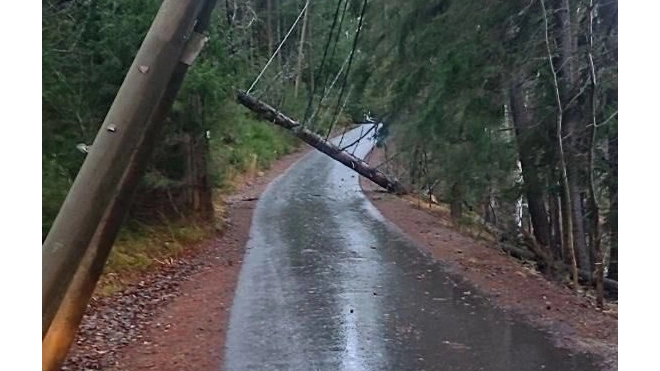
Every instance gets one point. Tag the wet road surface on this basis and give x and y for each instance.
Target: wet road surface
(328, 284)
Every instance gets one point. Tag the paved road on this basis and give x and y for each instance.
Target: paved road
(328, 284)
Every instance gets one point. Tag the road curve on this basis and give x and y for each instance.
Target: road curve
(328, 284)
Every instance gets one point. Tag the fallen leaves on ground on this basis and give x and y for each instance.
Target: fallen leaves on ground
(116, 321)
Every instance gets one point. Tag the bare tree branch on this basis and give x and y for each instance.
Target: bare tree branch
(608, 119)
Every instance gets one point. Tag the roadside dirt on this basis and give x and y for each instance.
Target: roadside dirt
(573, 321)
(175, 317)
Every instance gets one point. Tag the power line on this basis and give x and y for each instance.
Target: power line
(325, 53)
(326, 92)
(334, 48)
(335, 120)
(350, 61)
(278, 48)
(341, 23)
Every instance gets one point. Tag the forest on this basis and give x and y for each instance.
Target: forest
(504, 110)
(508, 110)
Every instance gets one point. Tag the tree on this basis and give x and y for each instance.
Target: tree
(488, 85)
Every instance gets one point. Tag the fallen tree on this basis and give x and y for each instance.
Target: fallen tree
(270, 114)
(536, 253)
(585, 277)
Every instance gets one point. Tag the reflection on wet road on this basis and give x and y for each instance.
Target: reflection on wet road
(328, 284)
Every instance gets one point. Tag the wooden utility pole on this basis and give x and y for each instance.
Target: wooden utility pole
(62, 331)
(100, 186)
(270, 114)
(301, 50)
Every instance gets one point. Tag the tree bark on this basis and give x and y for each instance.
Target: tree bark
(579, 232)
(456, 203)
(555, 222)
(571, 130)
(593, 200)
(566, 208)
(200, 186)
(270, 114)
(415, 163)
(613, 215)
(488, 211)
(527, 153)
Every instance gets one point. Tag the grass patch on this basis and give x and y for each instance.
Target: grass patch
(249, 146)
(139, 248)
(136, 249)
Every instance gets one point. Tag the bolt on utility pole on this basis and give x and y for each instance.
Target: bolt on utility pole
(102, 179)
(63, 329)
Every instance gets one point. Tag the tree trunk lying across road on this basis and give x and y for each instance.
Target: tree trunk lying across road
(270, 114)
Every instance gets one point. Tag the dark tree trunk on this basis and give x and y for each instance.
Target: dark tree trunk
(613, 223)
(555, 222)
(594, 208)
(203, 205)
(566, 228)
(579, 232)
(456, 203)
(528, 151)
(198, 199)
(568, 81)
(414, 166)
(488, 211)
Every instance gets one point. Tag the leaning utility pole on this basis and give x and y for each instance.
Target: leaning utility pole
(64, 326)
(270, 114)
(104, 184)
